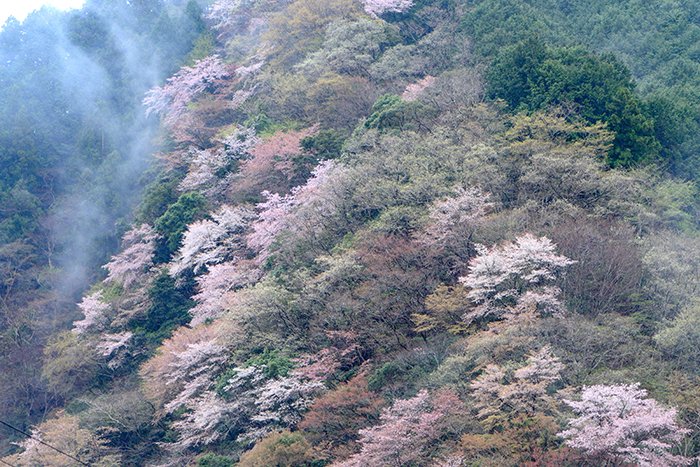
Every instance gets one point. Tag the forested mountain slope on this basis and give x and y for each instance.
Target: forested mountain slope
(395, 232)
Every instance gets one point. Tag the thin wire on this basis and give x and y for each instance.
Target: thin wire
(6, 463)
(42, 442)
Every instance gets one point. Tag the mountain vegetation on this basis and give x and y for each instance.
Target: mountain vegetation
(350, 233)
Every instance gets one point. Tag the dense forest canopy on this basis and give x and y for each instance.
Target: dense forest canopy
(351, 232)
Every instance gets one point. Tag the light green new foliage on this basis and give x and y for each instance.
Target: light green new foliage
(681, 340)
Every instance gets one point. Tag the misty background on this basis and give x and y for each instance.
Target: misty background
(75, 147)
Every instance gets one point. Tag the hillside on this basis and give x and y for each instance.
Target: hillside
(354, 232)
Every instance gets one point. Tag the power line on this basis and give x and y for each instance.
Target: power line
(6, 463)
(42, 442)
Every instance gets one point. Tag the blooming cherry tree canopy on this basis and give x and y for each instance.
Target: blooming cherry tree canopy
(619, 423)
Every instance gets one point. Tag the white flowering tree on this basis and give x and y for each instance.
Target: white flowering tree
(249, 405)
(95, 311)
(451, 221)
(379, 7)
(212, 241)
(171, 100)
(620, 425)
(514, 278)
(136, 258)
(207, 165)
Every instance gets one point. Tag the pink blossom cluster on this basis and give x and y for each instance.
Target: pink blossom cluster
(276, 213)
(511, 279)
(406, 430)
(212, 241)
(95, 311)
(379, 7)
(136, 257)
(171, 100)
(414, 90)
(619, 424)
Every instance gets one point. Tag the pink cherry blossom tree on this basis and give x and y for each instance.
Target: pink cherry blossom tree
(513, 278)
(304, 210)
(271, 163)
(95, 311)
(379, 7)
(170, 101)
(273, 217)
(211, 241)
(620, 425)
(217, 283)
(407, 430)
(414, 90)
(135, 259)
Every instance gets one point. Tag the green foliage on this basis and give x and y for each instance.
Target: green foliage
(112, 292)
(173, 223)
(324, 145)
(275, 364)
(158, 196)
(70, 366)
(407, 369)
(680, 341)
(514, 72)
(529, 76)
(661, 55)
(222, 381)
(214, 460)
(203, 47)
(169, 307)
(300, 28)
(389, 111)
(20, 212)
(398, 221)
(262, 124)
